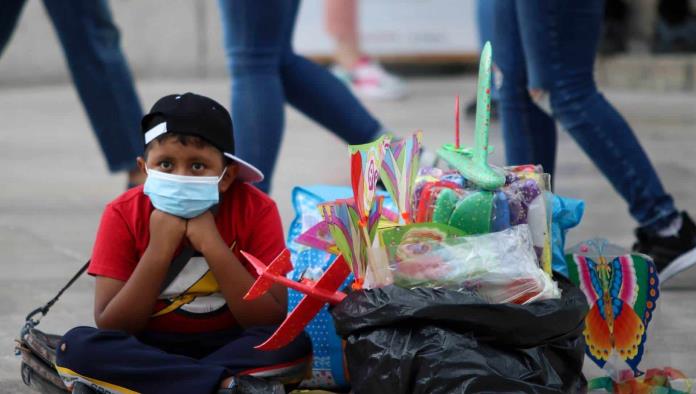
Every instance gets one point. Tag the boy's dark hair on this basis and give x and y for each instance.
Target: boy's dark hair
(185, 139)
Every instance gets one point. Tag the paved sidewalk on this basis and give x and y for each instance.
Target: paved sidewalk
(55, 184)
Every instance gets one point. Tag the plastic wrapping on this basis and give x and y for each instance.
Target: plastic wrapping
(500, 267)
(528, 190)
(429, 340)
(446, 197)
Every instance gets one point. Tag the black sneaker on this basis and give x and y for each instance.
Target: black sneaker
(673, 254)
(675, 37)
(246, 384)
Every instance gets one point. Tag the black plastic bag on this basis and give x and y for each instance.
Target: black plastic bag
(440, 341)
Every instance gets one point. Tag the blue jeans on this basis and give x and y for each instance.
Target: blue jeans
(485, 20)
(266, 73)
(550, 46)
(90, 42)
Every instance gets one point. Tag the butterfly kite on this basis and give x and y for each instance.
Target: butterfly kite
(622, 290)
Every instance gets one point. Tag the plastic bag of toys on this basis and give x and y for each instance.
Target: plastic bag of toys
(500, 267)
(448, 198)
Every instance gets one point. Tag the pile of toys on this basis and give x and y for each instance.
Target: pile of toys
(495, 243)
(473, 227)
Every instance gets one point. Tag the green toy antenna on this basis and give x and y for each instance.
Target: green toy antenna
(472, 163)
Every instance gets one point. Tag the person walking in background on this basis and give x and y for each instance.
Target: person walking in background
(90, 41)
(266, 73)
(545, 51)
(366, 77)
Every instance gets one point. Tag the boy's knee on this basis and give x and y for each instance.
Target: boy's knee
(77, 337)
(70, 351)
(77, 348)
(79, 332)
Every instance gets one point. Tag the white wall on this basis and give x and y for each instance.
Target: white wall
(181, 38)
(397, 27)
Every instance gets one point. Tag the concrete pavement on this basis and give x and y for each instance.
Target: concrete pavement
(54, 184)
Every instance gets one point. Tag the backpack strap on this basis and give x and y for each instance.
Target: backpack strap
(31, 321)
(175, 268)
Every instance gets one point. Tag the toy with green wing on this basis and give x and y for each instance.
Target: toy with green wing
(622, 289)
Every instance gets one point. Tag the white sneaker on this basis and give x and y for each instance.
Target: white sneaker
(369, 80)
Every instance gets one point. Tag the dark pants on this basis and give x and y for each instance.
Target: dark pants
(168, 363)
(91, 43)
(550, 46)
(266, 74)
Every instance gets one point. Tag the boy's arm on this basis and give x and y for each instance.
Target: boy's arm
(233, 277)
(128, 305)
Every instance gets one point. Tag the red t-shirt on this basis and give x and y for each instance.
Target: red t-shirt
(247, 219)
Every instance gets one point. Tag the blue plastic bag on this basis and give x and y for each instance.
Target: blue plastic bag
(567, 213)
(328, 369)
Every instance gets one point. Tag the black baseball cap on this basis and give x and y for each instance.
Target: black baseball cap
(193, 114)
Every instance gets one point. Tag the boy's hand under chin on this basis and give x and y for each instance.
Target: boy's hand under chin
(166, 232)
(202, 232)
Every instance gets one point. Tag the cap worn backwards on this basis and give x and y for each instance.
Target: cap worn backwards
(193, 114)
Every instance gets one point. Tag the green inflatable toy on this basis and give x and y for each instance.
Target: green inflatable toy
(473, 213)
(472, 163)
(444, 206)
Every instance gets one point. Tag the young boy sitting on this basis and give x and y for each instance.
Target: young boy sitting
(169, 276)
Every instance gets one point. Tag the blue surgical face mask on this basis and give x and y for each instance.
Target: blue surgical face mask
(180, 195)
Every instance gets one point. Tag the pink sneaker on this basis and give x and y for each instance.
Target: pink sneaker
(368, 79)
